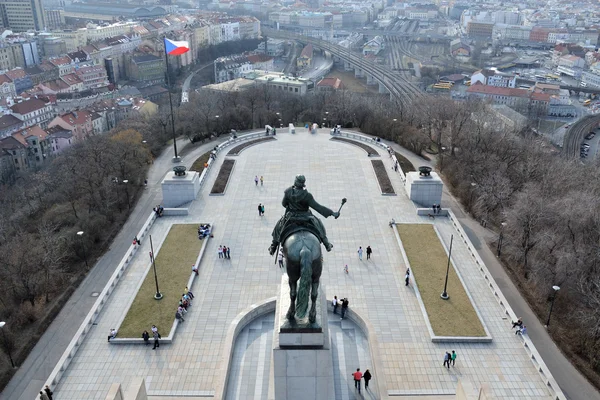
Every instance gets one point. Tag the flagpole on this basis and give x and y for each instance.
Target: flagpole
(176, 158)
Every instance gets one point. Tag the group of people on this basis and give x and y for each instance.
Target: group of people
(224, 252)
(360, 252)
(449, 358)
(521, 329)
(343, 303)
(155, 336)
(46, 394)
(203, 231)
(359, 375)
(184, 303)
(261, 209)
(159, 210)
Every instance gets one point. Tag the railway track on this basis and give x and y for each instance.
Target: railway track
(576, 133)
(397, 85)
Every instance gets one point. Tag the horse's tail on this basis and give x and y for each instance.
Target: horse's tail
(305, 282)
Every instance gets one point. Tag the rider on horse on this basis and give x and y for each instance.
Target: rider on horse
(297, 202)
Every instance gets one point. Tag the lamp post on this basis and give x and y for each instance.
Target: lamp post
(2, 323)
(500, 239)
(158, 294)
(326, 116)
(126, 181)
(556, 289)
(80, 234)
(444, 294)
(473, 186)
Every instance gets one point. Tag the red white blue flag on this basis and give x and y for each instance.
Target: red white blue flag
(174, 48)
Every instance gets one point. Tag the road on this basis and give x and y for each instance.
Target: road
(185, 89)
(574, 385)
(576, 133)
(32, 375)
(321, 67)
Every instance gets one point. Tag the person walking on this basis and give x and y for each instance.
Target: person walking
(256, 180)
(346, 268)
(369, 251)
(262, 210)
(280, 258)
(262, 181)
(453, 358)
(48, 392)
(259, 210)
(224, 251)
(344, 307)
(229, 253)
(367, 377)
(447, 360)
(220, 251)
(360, 253)
(44, 396)
(335, 302)
(156, 336)
(407, 277)
(357, 377)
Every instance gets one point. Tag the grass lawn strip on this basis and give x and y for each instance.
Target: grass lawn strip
(223, 177)
(238, 149)
(382, 177)
(173, 267)
(198, 165)
(371, 152)
(428, 260)
(405, 165)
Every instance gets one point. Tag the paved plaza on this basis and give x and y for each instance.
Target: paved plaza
(412, 364)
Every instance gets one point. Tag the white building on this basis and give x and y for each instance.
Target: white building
(374, 46)
(490, 77)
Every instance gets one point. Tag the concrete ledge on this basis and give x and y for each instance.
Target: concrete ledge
(534, 355)
(90, 319)
(168, 339)
(424, 212)
(235, 327)
(175, 211)
(435, 338)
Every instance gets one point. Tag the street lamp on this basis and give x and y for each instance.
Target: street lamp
(80, 234)
(556, 289)
(500, 238)
(126, 181)
(158, 294)
(473, 186)
(444, 294)
(2, 323)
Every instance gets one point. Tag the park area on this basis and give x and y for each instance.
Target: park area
(428, 262)
(174, 263)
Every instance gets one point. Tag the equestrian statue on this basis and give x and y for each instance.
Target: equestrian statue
(301, 235)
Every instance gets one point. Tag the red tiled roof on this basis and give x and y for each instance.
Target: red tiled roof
(499, 91)
(60, 61)
(76, 117)
(334, 83)
(307, 51)
(17, 73)
(256, 58)
(25, 107)
(4, 79)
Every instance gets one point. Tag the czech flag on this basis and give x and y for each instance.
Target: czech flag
(174, 48)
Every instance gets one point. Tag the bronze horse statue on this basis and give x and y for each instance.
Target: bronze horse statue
(304, 261)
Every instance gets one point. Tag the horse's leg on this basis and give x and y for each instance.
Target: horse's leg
(312, 315)
(291, 314)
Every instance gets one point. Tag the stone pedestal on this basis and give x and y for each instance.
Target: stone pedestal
(302, 359)
(424, 190)
(178, 190)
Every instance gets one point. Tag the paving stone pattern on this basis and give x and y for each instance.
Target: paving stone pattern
(412, 364)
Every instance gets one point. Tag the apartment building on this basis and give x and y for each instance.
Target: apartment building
(33, 112)
(23, 15)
